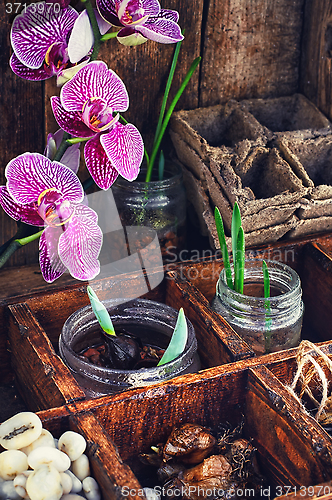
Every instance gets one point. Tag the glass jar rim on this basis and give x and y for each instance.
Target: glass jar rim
(272, 264)
(171, 167)
(100, 372)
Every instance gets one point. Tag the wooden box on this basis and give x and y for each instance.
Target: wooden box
(293, 451)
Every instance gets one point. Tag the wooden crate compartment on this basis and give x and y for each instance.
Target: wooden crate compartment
(292, 449)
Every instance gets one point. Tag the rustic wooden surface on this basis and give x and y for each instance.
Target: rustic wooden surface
(247, 49)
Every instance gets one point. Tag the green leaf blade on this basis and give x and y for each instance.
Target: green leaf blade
(239, 262)
(100, 312)
(236, 224)
(223, 247)
(178, 340)
(266, 277)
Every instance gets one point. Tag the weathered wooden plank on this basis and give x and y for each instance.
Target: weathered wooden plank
(44, 380)
(250, 50)
(316, 60)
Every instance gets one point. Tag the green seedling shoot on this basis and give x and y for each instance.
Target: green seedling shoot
(178, 340)
(179, 336)
(101, 312)
(238, 252)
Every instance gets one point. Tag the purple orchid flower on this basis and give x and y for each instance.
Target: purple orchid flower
(140, 20)
(40, 192)
(86, 108)
(47, 42)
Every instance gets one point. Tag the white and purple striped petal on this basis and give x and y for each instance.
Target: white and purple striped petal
(50, 263)
(95, 80)
(161, 29)
(30, 174)
(71, 122)
(37, 28)
(173, 15)
(125, 149)
(106, 9)
(27, 73)
(98, 164)
(26, 213)
(80, 244)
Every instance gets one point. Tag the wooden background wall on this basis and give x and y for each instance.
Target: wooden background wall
(249, 48)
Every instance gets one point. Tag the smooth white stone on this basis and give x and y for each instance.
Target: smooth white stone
(20, 482)
(91, 488)
(44, 484)
(7, 491)
(20, 430)
(45, 439)
(12, 462)
(49, 455)
(72, 496)
(73, 444)
(81, 467)
(77, 485)
(66, 483)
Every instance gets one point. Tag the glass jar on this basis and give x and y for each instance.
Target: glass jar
(153, 323)
(160, 205)
(270, 324)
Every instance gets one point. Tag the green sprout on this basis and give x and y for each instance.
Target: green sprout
(179, 336)
(238, 252)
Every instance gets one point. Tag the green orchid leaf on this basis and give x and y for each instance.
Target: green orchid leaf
(101, 312)
(266, 277)
(239, 262)
(223, 247)
(178, 340)
(236, 224)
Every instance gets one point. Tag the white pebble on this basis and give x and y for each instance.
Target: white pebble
(50, 456)
(45, 439)
(77, 485)
(7, 490)
(81, 467)
(12, 462)
(72, 496)
(20, 430)
(20, 482)
(44, 484)
(66, 483)
(73, 444)
(91, 488)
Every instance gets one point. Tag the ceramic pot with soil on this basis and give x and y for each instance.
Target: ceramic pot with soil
(158, 204)
(266, 324)
(150, 323)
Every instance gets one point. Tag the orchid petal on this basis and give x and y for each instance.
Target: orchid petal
(103, 25)
(49, 260)
(26, 213)
(32, 173)
(173, 15)
(80, 244)
(94, 80)
(125, 149)
(66, 74)
(27, 73)
(81, 38)
(151, 7)
(161, 30)
(130, 38)
(37, 28)
(51, 146)
(98, 164)
(106, 9)
(69, 121)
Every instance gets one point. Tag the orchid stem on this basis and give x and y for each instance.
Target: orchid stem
(95, 29)
(108, 36)
(15, 245)
(76, 140)
(63, 147)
